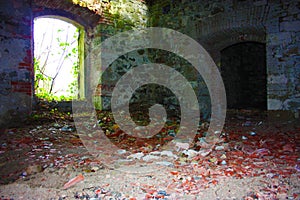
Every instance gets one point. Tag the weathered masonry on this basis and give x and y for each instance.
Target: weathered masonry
(255, 44)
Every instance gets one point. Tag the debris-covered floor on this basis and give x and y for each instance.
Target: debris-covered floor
(257, 157)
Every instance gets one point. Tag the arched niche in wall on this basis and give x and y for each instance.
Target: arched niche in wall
(83, 16)
(243, 69)
(237, 32)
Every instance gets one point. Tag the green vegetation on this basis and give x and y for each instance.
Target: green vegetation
(56, 51)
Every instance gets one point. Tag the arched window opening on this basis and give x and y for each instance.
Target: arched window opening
(243, 69)
(58, 59)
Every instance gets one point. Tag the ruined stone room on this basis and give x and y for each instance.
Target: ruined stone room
(149, 99)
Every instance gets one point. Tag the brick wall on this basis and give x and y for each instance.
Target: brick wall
(16, 70)
(16, 52)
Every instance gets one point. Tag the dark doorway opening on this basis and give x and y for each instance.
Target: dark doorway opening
(243, 69)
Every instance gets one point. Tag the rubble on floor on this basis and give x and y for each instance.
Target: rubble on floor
(253, 159)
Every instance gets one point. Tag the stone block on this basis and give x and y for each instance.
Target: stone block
(260, 2)
(279, 38)
(277, 79)
(277, 90)
(293, 26)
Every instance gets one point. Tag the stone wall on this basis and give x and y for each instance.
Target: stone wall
(219, 24)
(283, 47)
(214, 24)
(117, 16)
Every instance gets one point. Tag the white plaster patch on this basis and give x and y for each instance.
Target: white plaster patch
(274, 104)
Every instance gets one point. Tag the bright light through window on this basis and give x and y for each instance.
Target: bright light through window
(56, 59)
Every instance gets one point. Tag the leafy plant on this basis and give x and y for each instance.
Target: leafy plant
(50, 60)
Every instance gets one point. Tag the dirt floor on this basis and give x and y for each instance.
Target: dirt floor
(256, 157)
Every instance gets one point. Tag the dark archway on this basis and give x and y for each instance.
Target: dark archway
(243, 68)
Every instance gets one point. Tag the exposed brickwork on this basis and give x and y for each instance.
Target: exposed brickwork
(16, 61)
(66, 8)
(23, 87)
(16, 36)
